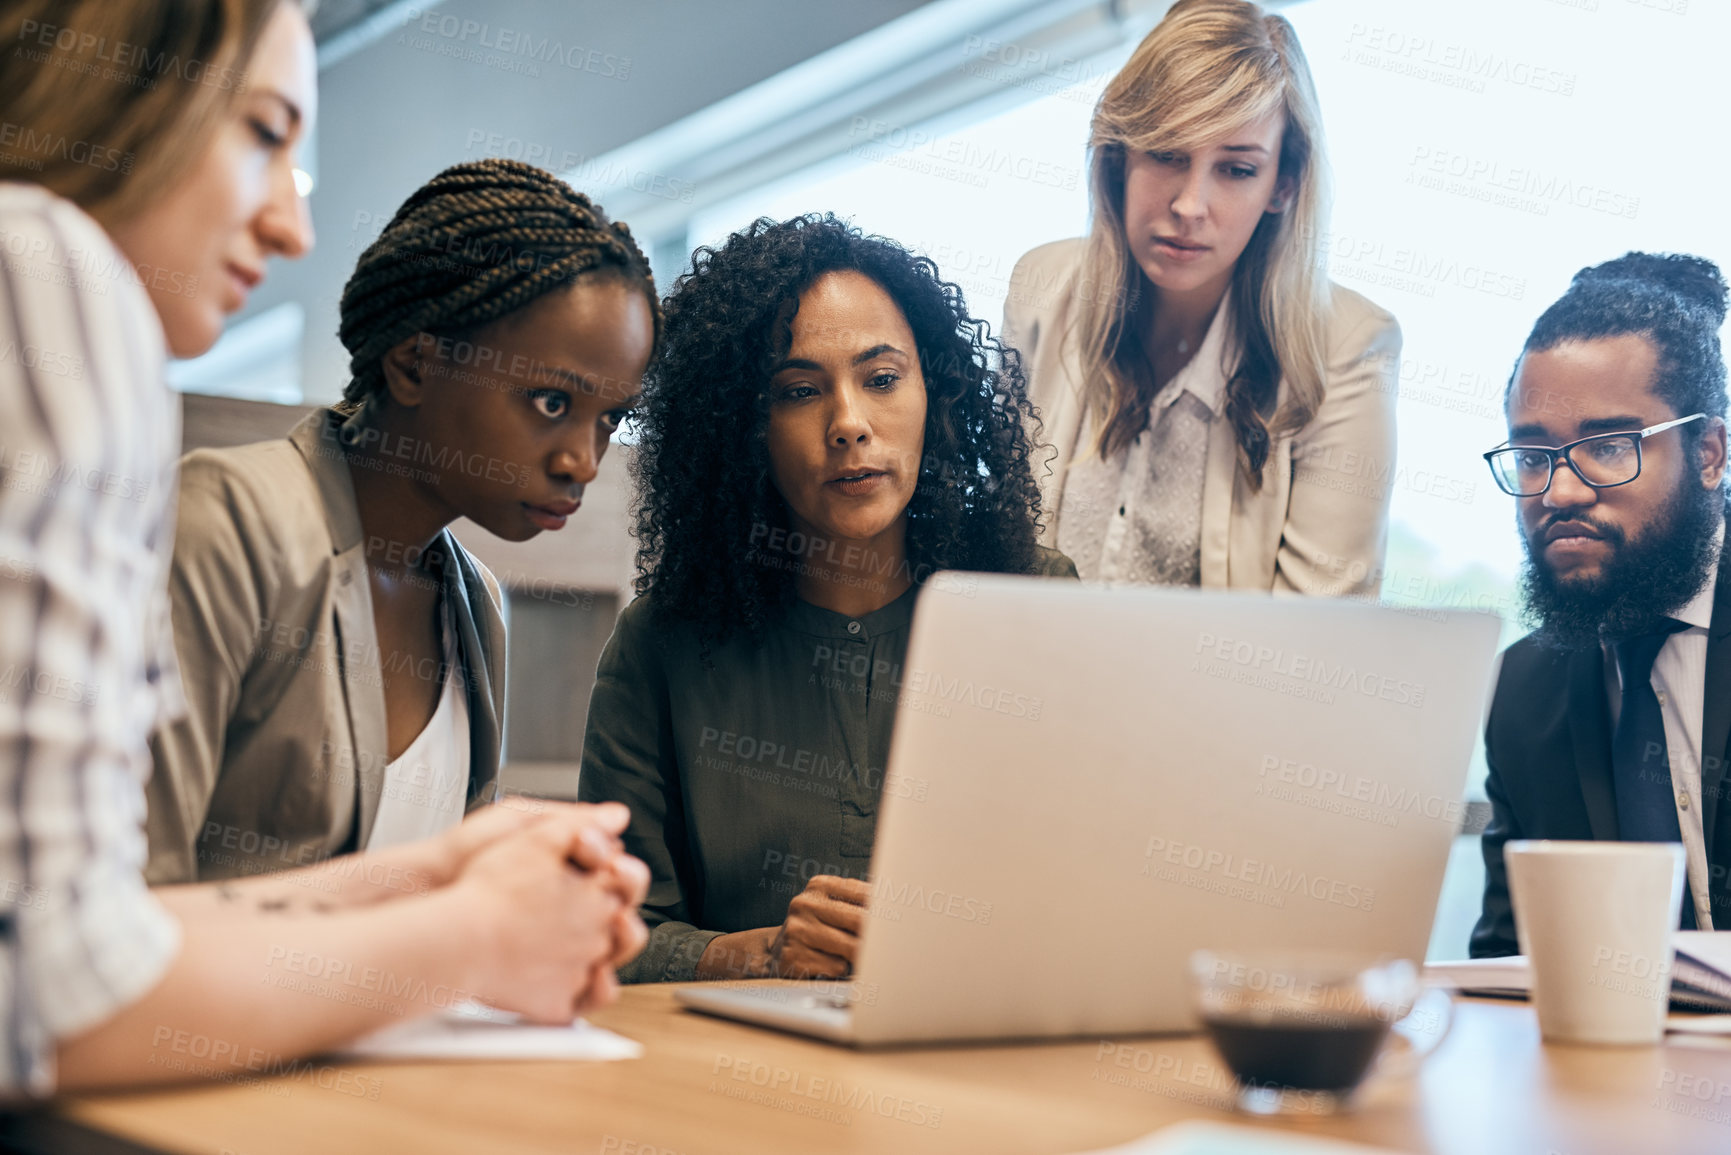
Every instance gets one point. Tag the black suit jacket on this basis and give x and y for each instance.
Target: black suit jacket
(1548, 743)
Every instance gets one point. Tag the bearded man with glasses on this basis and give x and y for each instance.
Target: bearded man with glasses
(1611, 720)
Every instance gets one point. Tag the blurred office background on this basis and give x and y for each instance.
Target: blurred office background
(1483, 150)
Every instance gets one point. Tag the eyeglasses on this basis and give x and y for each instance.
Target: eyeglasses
(1605, 460)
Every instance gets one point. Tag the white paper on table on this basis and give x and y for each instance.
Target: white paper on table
(1711, 947)
(1508, 975)
(1707, 1024)
(1198, 1138)
(473, 1030)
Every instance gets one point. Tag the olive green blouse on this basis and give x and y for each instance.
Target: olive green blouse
(748, 777)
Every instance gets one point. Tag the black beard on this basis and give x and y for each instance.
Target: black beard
(1642, 582)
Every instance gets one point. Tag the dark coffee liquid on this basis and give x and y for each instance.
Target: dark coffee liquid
(1330, 1056)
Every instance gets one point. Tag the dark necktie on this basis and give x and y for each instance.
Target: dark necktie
(1640, 766)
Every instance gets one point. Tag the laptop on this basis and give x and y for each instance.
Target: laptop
(1113, 778)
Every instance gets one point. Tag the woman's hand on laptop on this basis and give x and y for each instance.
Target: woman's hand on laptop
(820, 936)
(818, 940)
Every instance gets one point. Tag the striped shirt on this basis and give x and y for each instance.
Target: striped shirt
(88, 439)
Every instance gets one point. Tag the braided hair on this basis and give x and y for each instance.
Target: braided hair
(477, 242)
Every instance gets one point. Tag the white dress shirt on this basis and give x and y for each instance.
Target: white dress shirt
(1680, 682)
(1136, 517)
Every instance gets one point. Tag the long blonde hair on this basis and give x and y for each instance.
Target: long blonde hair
(111, 102)
(1208, 68)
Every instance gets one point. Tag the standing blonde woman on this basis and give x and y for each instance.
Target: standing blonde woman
(1218, 413)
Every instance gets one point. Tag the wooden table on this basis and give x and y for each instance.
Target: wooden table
(705, 1085)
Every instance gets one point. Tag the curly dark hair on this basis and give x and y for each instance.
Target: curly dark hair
(702, 465)
(1674, 300)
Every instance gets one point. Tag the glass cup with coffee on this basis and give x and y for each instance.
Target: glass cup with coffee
(1301, 1030)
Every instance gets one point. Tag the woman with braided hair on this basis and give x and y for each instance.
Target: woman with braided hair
(344, 655)
(826, 428)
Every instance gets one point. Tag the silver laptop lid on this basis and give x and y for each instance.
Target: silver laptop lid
(1085, 785)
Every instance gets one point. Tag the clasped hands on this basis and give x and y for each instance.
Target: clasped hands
(560, 899)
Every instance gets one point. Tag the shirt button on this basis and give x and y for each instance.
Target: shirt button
(1682, 802)
(1661, 697)
(853, 627)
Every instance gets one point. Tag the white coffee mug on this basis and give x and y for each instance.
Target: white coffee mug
(1595, 921)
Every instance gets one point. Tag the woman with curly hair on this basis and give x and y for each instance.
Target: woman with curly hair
(823, 431)
(344, 655)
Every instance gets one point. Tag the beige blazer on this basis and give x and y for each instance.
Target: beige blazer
(280, 759)
(1319, 524)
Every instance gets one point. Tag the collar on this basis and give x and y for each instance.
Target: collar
(1699, 612)
(316, 438)
(1204, 375)
(819, 622)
